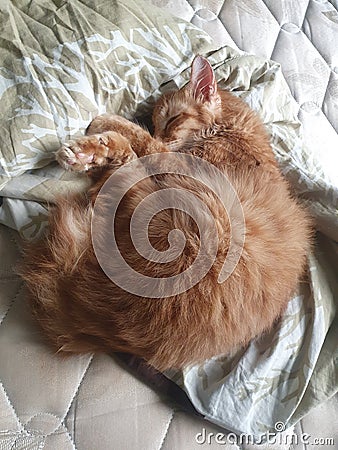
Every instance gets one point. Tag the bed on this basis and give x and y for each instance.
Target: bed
(62, 63)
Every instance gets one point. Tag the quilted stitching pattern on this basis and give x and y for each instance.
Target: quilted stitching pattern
(36, 419)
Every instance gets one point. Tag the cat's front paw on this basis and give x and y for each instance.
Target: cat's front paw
(71, 157)
(97, 150)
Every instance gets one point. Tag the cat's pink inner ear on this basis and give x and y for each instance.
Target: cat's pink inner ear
(203, 79)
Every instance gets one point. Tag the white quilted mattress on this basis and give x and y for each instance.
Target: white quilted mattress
(90, 403)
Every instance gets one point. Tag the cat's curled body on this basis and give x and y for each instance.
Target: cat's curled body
(81, 310)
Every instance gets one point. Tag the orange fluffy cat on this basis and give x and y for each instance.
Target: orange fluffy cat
(81, 309)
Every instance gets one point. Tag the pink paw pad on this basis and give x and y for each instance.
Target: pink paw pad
(85, 158)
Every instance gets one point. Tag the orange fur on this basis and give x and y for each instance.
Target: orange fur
(81, 310)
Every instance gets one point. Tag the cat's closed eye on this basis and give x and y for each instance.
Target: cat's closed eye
(171, 121)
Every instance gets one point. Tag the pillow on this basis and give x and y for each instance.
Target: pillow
(63, 63)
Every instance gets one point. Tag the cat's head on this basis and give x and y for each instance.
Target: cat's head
(190, 111)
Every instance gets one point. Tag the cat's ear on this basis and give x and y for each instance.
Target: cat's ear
(203, 80)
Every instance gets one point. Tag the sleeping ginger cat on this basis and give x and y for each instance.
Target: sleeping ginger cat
(81, 309)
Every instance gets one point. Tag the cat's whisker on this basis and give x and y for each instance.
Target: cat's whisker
(174, 145)
(78, 260)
